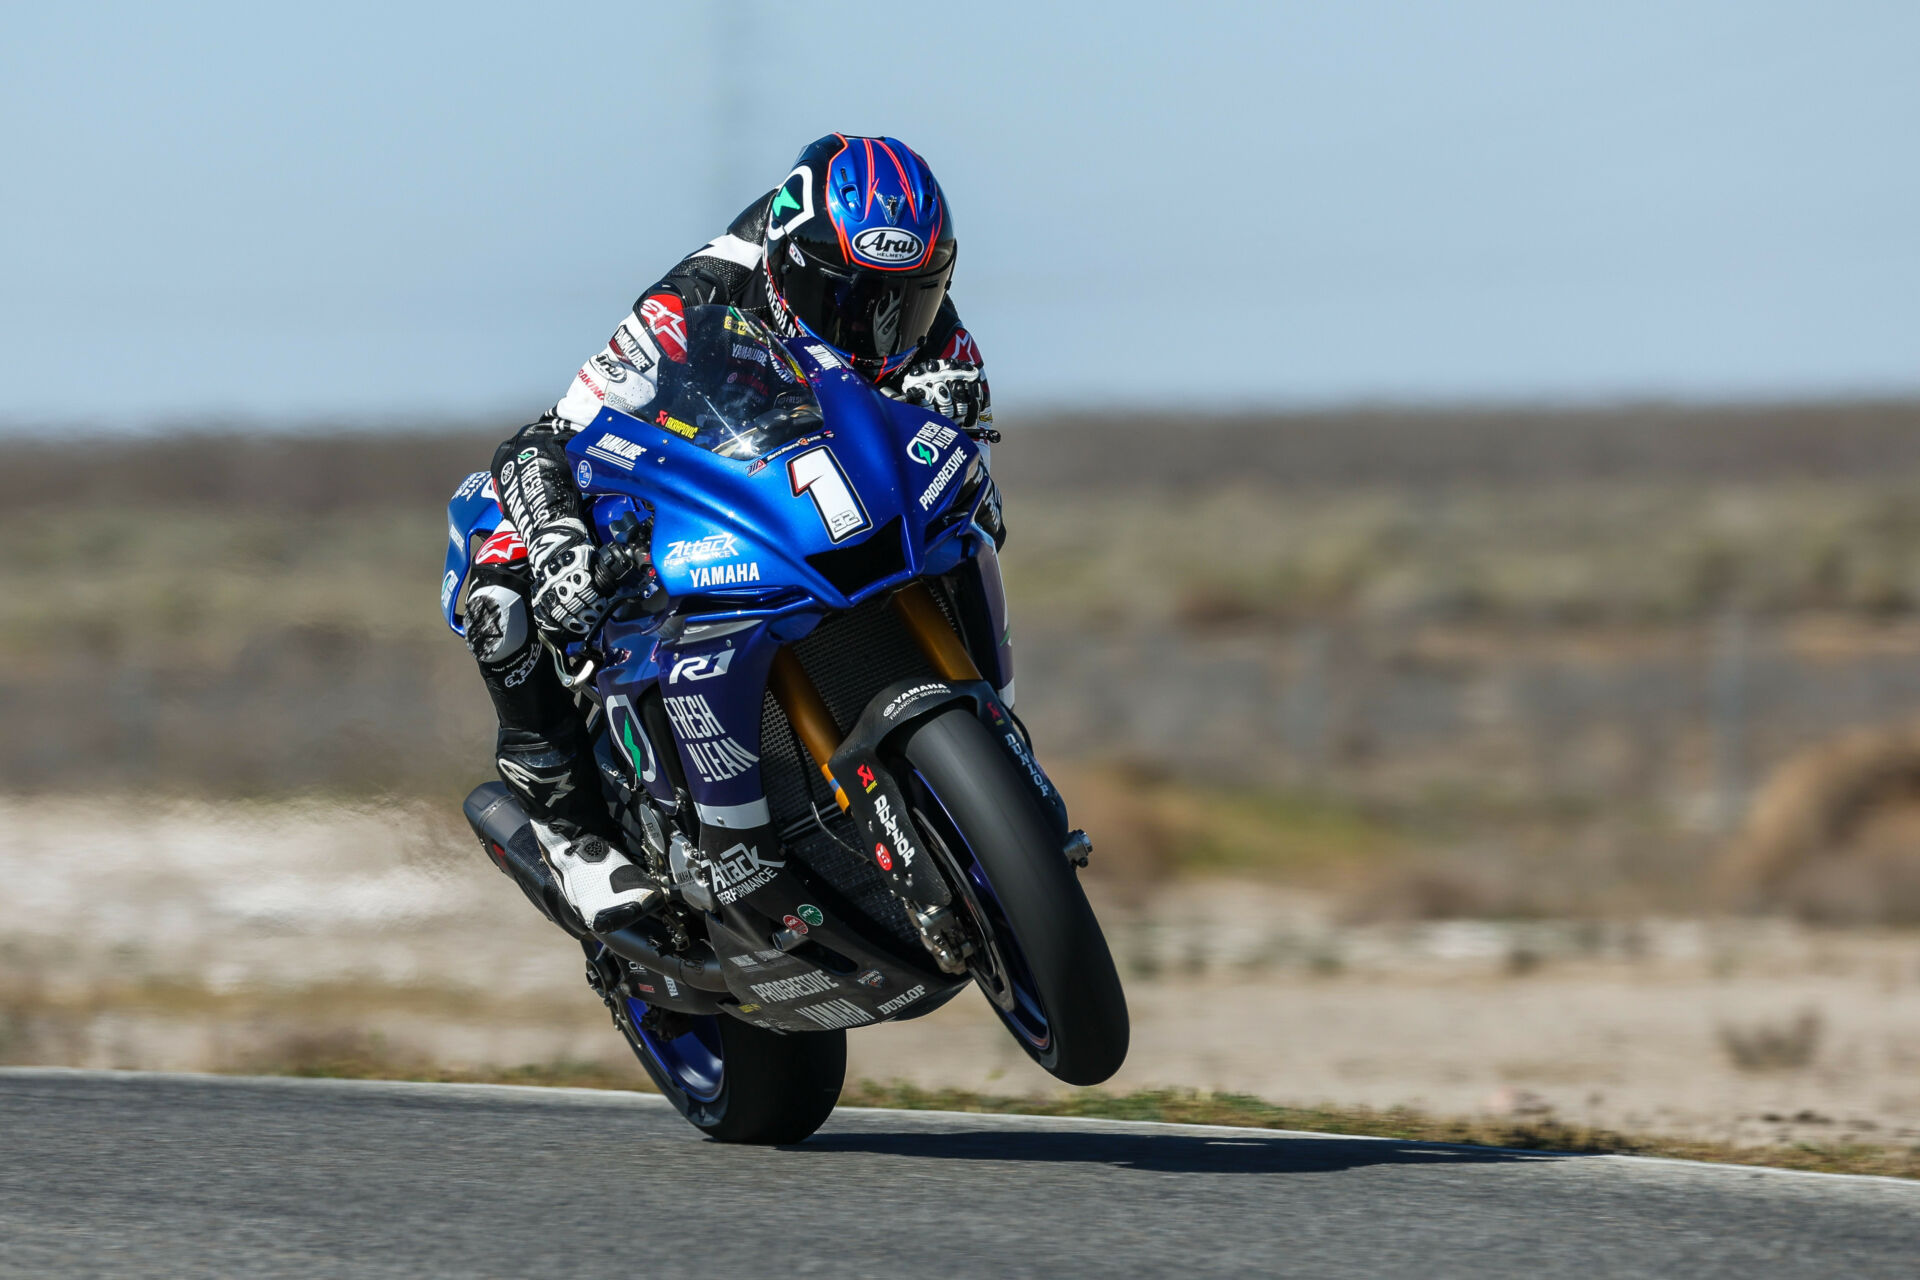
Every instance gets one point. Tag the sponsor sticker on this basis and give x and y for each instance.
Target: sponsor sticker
(794, 923)
(872, 978)
(667, 322)
(831, 1015)
(1032, 766)
(883, 810)
(504, 547)
(907, 699)
(810, 913)
(701, 667)
(963, 348)
(447, 586)
(941, 478)
(725, 575)
(471, 485)
(928, 441)
(794, 988)
(583, 473)
(715, 755)
(632, 345)
(867, 780)
(881, 856)
(889, 245)
(902, 1000)
(825, 356)
(792, 203)
(632, 739)
(620, 452)
(714, 546)
(741, 870)
(675, 425)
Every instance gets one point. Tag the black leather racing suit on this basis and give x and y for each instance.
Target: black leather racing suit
(542, 752)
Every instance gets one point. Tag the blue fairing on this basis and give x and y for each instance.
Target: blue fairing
(472, 515)
(782, 488)
(739, 532)
(875, 492)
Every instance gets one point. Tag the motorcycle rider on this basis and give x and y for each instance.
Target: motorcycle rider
(854, 248)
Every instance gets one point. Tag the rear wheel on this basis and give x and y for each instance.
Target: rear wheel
(1039, 954)
(733, 1081)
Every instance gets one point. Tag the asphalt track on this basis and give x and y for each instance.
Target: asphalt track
(110, 1174)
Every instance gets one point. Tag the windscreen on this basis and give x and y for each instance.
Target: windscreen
(738, 392)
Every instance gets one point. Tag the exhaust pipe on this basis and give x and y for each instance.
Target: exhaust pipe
(507, 834)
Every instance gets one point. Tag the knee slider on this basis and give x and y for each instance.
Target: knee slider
(496, 623)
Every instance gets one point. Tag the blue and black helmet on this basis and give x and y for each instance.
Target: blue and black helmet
(860, 248)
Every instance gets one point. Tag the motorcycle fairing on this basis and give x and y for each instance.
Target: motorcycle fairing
(472, 514)
(788, 524)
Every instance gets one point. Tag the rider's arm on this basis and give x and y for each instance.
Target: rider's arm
(950, 377)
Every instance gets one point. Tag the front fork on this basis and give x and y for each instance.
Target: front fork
(807, 711)
(927, 896)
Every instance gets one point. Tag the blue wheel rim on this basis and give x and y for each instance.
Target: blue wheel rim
(1028, 1017)
(692, 1061)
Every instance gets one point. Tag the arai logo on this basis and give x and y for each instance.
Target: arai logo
(889, 244)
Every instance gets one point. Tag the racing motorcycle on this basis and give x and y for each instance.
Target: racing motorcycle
(807, 734)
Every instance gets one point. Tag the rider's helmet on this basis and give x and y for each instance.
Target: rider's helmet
(860, 249)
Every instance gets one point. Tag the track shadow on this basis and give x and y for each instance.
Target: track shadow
(1164, 1153)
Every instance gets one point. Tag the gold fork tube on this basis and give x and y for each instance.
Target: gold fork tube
(807, 713)
(933, 633)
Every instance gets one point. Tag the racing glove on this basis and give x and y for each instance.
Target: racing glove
(536, 489)
(948, 387)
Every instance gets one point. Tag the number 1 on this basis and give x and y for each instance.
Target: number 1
(817, 473)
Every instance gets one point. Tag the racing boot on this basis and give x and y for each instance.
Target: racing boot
(607, 888)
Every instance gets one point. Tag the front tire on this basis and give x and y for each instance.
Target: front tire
(1042, 960)
(736, 1082)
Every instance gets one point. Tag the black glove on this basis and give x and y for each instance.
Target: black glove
(947, 387)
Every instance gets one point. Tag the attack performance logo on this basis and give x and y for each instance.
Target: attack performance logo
(741, 870)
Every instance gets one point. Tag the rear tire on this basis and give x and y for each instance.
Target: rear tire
(771, 1089)
(980, 808)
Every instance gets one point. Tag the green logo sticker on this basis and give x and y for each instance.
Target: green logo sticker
(792, 203)
(922, 452)
(810, 913)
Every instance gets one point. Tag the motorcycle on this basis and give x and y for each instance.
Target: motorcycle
(813, 745)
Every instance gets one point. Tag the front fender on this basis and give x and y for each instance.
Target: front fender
(874, 797)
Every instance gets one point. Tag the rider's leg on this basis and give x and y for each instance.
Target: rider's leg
(543, 753)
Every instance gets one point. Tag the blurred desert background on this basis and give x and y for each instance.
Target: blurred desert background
(1537, 764)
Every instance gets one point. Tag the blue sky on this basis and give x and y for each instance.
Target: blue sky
(421, 212)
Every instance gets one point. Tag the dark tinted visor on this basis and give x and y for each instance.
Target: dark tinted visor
(870, 314)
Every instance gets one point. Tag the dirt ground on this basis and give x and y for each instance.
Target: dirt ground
(148, 934)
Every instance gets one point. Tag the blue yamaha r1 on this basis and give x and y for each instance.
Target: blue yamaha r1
(814, 747)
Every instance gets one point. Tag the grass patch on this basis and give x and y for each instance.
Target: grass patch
(1284, 833)
(1187, 1106)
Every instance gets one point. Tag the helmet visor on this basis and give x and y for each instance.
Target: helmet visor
(869, 314)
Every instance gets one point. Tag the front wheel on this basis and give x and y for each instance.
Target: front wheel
(1039, 954)
(734, 1081)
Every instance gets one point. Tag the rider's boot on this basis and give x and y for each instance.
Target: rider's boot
(607, 888)
(543, 756)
